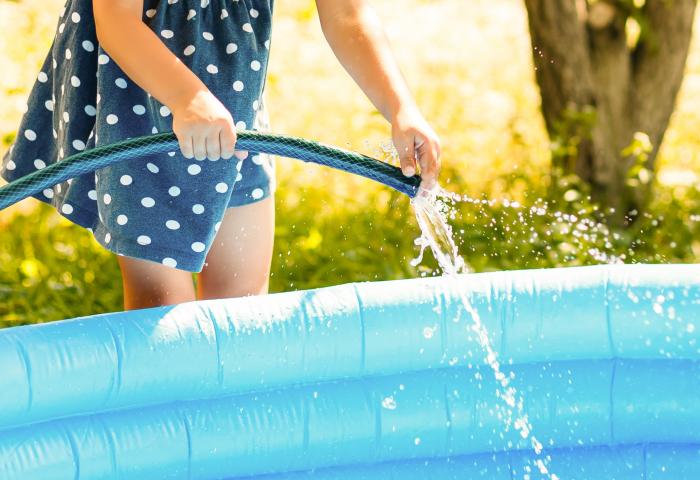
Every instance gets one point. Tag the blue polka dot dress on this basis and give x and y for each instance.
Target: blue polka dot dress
(163, 208)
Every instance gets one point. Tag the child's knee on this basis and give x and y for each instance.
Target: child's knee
(233, 286)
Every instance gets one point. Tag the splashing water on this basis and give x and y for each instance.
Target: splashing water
(431, 212)
(582, 236)
(436, 233)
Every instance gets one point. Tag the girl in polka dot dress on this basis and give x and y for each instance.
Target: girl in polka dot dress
(124, 68)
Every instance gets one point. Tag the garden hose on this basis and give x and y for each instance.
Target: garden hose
(307, 150)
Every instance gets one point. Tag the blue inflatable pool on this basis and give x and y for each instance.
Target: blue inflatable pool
(382, 380)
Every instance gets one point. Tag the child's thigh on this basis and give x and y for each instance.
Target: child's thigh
(149, 284)
(238, 262)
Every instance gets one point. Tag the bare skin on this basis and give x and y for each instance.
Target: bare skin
(202, 124)
(357, 38)
(205, 129)
(150, 284)
(238, 263)
(227, 272)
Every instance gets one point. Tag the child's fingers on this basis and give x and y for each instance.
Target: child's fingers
(228, 142)
(186, 146)
(200, 147)
(213, 145)
(407, 157)
(429, 160)
(241, 154)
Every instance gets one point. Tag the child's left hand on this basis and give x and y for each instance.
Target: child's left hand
(415, 140)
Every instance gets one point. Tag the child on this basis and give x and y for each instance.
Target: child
(124, 68)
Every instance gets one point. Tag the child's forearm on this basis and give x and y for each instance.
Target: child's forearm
(141, 54)
(357, 38)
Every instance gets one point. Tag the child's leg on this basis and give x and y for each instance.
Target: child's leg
(149, 284)
(238, 263)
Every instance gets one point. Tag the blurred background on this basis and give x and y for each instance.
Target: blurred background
(571, 173)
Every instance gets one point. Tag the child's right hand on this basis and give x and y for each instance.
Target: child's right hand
(204, 127)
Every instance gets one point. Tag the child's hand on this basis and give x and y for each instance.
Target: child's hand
(204, 127)
(415, 140)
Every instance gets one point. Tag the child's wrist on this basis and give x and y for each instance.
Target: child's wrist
(404, 111)
(182, 100)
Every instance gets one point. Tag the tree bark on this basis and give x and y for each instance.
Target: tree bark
(585, 62)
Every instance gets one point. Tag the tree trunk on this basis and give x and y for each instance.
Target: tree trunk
(607, 97)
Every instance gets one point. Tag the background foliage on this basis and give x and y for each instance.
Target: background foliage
(470, 67)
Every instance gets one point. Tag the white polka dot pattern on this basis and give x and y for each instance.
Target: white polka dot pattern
(162, 207)
(169, 262)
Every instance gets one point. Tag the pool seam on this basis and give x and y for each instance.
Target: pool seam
(613, 353)
(608, 314)
(363, 331)
(74, 452)
(114, 392)
(22, 350)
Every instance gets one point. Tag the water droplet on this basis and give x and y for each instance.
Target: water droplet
(389, 403)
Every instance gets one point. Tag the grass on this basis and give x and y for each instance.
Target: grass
(470, 67)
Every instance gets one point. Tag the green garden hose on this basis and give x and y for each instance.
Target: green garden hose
(286, 146)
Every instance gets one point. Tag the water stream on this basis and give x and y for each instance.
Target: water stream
(432, 213)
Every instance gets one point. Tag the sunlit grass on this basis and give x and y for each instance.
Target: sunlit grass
(470, 67)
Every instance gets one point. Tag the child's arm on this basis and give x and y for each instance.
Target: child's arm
(357, 38)
(202, 124)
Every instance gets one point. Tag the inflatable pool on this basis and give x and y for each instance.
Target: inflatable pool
(381, 380)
